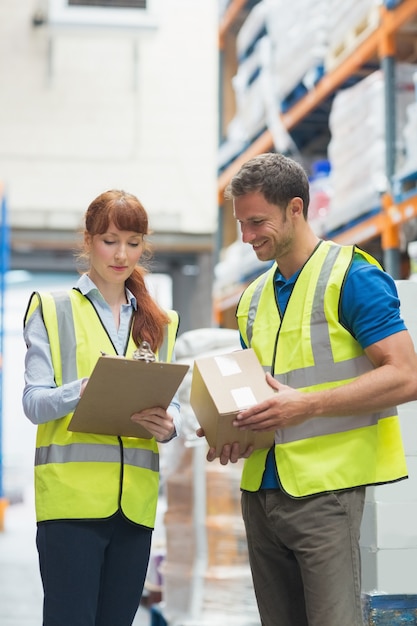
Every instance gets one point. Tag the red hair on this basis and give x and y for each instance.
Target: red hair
(126, 212)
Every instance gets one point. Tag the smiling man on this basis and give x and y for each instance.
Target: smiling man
(325, 323)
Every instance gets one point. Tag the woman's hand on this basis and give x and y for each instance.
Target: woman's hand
(157, 421)
(83, 386)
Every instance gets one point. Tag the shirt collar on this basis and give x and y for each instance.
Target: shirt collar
(88, 288)
(280, 279)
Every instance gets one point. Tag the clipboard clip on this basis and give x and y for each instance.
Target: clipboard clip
(144, 353)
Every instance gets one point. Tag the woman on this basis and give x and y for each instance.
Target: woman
(95, 495)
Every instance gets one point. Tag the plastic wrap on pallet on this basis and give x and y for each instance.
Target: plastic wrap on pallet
(206, 575)
(237, 265)
(350, 23)
(256, 85)
(345, 17)
(223, 583)
(408, 171)
(248, 88)
(253, 29)
(357, 146)
(388, 538)
(289, 26)
(250, 117)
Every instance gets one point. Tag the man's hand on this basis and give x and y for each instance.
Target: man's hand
(230, 452)
(287, 407)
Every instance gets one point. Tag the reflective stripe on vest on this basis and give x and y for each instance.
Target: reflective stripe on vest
(91, 453)
(66, 334)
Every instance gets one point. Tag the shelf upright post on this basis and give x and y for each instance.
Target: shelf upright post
(4, 265)
(390, 243)
(221, 131)
(390, 240)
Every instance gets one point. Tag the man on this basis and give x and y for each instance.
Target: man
(324, 322)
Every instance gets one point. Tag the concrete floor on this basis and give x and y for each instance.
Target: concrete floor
(20, 584)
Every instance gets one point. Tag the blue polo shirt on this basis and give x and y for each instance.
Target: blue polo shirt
(370, 310)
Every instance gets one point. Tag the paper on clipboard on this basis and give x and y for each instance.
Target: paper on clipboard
(119, 387)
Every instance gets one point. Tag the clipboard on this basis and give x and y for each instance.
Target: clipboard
(119, 387)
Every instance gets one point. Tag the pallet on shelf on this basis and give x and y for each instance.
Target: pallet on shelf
(405, 187)
(352, 38)
(390, 610)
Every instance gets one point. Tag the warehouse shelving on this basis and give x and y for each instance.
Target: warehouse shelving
(380, 47)
(380, 42)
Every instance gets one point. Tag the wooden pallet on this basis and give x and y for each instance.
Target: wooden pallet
(352, 38)
(389, 610)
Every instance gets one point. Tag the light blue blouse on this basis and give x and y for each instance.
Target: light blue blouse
(42, 400)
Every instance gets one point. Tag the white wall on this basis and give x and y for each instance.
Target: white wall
(72, 123)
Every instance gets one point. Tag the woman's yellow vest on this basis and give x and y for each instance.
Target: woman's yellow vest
(308, 349)
(85, 476)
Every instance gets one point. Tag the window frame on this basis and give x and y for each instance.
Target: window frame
(60, 13)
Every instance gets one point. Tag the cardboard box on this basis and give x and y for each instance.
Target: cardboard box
(221, 387)
(389, 525)
(389, 571)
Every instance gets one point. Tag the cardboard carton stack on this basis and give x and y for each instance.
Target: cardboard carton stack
(206, 574)
(389, 527)
(358, 142)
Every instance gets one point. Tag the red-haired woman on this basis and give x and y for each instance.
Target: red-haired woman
(96, 495)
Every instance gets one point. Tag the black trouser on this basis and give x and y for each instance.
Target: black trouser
(92, 572)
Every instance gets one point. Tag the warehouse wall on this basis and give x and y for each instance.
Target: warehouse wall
(83, 110)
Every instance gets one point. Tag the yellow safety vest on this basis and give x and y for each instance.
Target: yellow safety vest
(309, 350)
(86, 476)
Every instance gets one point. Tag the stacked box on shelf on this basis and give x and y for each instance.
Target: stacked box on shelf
(248, 88)
(206, 574)
(206, 568)
(357, 149)
(265, 83)
(290, 25)
(408, 171)
(237, 265)
(389, 528)
(248, 85)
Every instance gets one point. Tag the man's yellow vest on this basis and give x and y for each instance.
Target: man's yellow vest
(85, 476)
(308, 349)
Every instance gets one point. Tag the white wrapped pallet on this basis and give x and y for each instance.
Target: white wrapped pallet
(350, 23)
(206, 574)
(248, 87)
(253, 28)
(389, 532)
(357, 147)
(289, 27)
(410, 141)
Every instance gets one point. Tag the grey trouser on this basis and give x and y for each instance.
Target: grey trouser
(304, 556)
